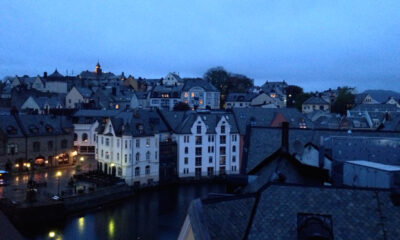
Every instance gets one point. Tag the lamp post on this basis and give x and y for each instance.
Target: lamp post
(58, 175)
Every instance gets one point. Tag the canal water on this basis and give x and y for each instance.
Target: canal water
(149, 215)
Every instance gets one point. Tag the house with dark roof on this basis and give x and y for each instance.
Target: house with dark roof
(127, 146)
(364, 98)
(200, 94)
(315, 103)
(287, 211)
(77, 96)
(36, 141)
(242, 100)
(207, 142)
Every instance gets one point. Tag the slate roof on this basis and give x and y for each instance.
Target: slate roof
(264, 141)
(385, 150)
(272, 213)
(241, 97)
(85, 92)
(182, 122)
(315, 100)
(265, 116)
(55, 74)
(9, 126)
(174, 91)
(53, 101)
(376, 108)
(128, 123)
(195, 82)
(44, 125)
(359, 98)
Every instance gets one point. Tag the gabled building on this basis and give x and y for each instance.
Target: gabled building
(207, 143)
(315, 103)
(77, 96)
(165, 96)
(364, 98)
(128, 146)
(200, 94)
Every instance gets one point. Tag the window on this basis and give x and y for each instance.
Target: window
(102, 140)
(107, 155)
(12, 149)
(186, 150)
(130, 144)
(199, 129)
(137, 157)
(137, 143)
(198, 140)
(147, 170)
(223, 129)
(210, 159)
(119, 171)
(64, 143)
(198, 161)
(211, 138)
(126, 158)
(107, 142)
(147, 155)
(186, 171)
(117, 143)
(155, 155)
(102, 153)
(233, 148)
(233, 158)
(50, 145)
(233, 168)
(222, 160)
(198, 151)
(222, 139)
(137, 171)
(186, 139)
(117, 156)
(147, 142)
(222, 151)
(186, 160)
(234, 138)
(210, 171)
(126, 144)
(75, 137)
(85, 137)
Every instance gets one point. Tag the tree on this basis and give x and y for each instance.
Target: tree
(181, 106)
(227, 82)
(344, 101)
(292, 93)
(300, 99)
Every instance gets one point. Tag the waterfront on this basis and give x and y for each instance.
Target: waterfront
(149, 215)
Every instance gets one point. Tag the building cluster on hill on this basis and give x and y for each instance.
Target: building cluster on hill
(137, 130)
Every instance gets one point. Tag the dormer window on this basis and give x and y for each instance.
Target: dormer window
(11, 130)
(33, 129)
(198, 129)
(314, 226)
(49, 128)
(223, 129)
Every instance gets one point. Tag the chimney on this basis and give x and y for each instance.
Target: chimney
(321, 152)
(285, 137)
(45, 75)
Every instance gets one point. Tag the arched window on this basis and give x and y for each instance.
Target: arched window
(75, 137)
(137, 171)
(147, 155)
(137, 156)
(85, 137)
(147, 170)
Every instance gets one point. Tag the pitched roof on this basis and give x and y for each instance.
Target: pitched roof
(315, 100)
(182, 122)
(260, 145)
(241, 97)
(55, 74)
(376, 108)
(265, 117)
(274, 211)
(195, 82)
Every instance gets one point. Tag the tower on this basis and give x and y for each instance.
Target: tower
(98, 70)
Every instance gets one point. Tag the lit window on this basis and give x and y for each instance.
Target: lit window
(186, 94)
(116, 106)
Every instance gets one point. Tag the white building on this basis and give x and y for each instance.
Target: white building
(207, 143)
(128, 147)
(200, 94)
(85, 124)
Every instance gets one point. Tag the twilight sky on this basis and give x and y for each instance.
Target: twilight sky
(315, 44)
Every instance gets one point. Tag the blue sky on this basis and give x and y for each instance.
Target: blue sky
(314, 44)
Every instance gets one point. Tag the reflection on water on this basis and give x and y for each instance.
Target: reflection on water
(150, 215)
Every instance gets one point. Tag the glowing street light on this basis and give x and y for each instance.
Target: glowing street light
(52, 234)
(82, 159)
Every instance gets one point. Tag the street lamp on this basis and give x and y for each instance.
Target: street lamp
(58, 175)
